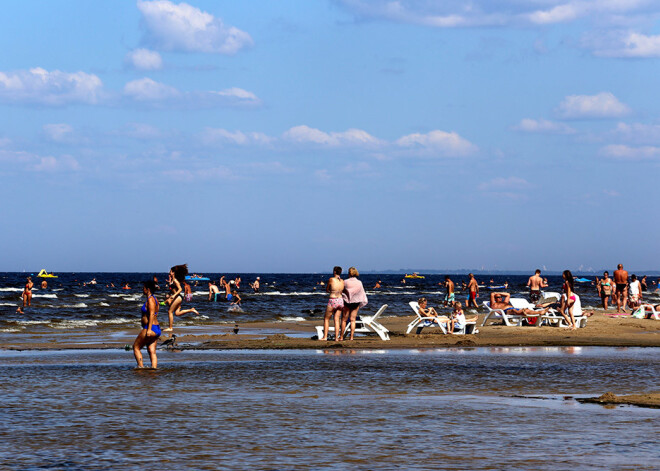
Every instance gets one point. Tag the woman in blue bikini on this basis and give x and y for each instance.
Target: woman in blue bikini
(150, 332)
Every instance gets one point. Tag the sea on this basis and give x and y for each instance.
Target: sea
(329, 408)
(71, 302)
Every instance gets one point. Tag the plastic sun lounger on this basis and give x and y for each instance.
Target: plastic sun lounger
(421, 322)
(363, 325)
(511, 320)
(650, 312)
(555, 318)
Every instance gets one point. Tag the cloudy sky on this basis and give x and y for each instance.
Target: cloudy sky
(294, 135)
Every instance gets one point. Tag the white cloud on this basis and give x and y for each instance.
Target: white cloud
(238, 95)
(223, 136)
(21, 160)
(602, 105)
(144, 59)
(624, 152)
(438, 142)
(54, 88)
(58, 132)
(182, 27)
(349, 138)
(459, 13)
(629, 44)
(543, 126)
(638, 132)
(146, 89)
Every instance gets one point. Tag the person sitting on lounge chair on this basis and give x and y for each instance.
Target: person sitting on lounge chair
(502, 301)
(430, 312)
(458, 320)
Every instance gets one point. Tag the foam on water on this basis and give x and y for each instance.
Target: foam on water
(49, 296)
(291, 319)
(81, 295)
(19, 290)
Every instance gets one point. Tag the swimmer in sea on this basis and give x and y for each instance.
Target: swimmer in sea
(213, 291)
(236, 299)
(44, 284)
(19, 310)
(27, 292)
(178, 277)
(335, 305)
(150, 332)
(255, 285)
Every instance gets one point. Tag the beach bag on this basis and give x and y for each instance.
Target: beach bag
(639, 313)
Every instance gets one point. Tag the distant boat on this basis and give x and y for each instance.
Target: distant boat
(44, 274)
(415, 275)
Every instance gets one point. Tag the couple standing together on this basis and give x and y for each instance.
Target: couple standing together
(346, 298)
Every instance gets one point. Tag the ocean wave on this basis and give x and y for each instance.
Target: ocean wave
(81, 295)
(104, 304)
(74, 305)
(119, 320)
(12, 289)
(291, 319)
(67, 324)
(295, 293)
(8, 304)
(50, 296)
(10, 329)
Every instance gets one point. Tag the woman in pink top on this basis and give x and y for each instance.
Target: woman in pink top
(354, 298)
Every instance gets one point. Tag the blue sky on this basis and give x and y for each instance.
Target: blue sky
(291, 136)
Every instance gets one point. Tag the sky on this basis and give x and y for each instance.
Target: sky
(292, 136)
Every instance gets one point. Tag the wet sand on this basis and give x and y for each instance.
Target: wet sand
(651, 400)
(601, 330)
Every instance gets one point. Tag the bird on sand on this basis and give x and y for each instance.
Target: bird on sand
(169, 343)
(236, 329)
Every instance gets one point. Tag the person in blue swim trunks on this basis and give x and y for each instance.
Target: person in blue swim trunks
(148, 336)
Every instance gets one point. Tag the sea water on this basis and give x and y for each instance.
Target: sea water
(485, 408)
(69, 304)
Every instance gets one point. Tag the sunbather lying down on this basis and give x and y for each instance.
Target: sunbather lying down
(502, 301)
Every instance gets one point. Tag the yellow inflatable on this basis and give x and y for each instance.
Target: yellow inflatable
(45, 274)
(415, 276)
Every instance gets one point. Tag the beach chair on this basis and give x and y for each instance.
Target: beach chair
(555, 318)
(511, 320)
(650, 312)
(363, 325)
(421, 322)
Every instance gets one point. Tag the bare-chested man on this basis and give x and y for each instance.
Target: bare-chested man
(535, 284)
(473, 292)
(621, 283)
(450, 296)
(213, 291)
(503, 301)
(335, 304)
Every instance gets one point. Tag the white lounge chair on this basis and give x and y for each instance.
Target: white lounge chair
(363, 325)
(650, 312)
(421, 322)
(511, 320)
(555, 318)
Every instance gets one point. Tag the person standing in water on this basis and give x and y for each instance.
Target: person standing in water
(535, 283)
(473, 288)
(150, 332)
(335, 305)
(27, 292)
(178, 276)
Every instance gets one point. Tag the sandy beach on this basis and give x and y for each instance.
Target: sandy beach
(601, 330)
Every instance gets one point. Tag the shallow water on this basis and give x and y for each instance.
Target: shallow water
(498, 408)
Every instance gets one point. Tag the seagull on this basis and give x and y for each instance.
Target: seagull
(236, 329)
(169, 343)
